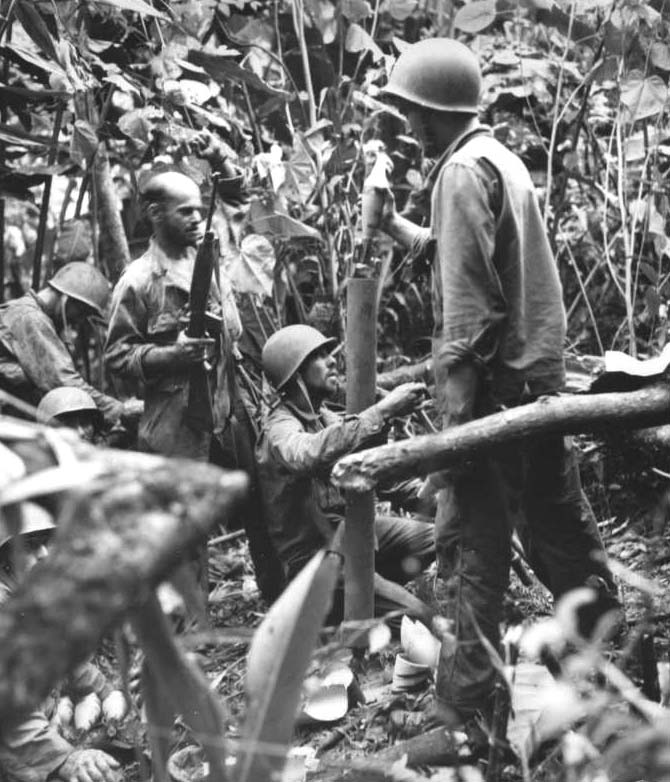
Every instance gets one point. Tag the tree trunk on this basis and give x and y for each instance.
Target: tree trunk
(119, 535)
(362, 471)
(113, 244)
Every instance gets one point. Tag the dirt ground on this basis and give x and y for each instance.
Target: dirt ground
(378, 717)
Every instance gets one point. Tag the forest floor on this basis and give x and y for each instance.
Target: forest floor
(374, 723)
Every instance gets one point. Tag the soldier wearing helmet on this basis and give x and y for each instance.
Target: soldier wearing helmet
(34, 357)
(73, 408)
(146, 339)
(34, 749)
(300, 442)
(498, 341)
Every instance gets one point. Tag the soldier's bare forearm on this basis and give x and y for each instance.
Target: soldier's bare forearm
(404, 231)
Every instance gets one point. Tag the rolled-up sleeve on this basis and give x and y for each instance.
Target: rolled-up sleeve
(466, 283)
(306, 453)
(127, 342)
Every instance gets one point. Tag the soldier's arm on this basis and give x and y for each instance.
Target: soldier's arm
(312, 452)
(472, 302)
(33, 750)
(309, 453)
(128, 349)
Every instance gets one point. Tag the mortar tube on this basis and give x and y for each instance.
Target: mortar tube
(359, 528)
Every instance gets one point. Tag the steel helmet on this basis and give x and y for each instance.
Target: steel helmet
(287, 348)
(33, 519)
(65, 399)
(437, 73)
(85, 283)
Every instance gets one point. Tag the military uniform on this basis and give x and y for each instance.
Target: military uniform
(498, 307)
(33, 749)
(149, 308)
(34, 359)
(295, 454)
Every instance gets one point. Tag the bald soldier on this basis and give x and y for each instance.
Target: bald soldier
(146, 340)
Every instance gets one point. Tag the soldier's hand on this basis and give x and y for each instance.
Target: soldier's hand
(132, 410)
(208, 146)
(194, 351)
(90, 765)
(389, 212)
(402, 399)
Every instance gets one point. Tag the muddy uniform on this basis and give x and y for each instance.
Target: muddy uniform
(498, 305)
(149, 308)
(33, 750)
(34, 359)
(295, 455)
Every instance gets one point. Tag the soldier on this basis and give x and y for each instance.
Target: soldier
(300, 442)
(146, 340)
(33, 355)
(498, 341)
(73, 408)
(34, 750)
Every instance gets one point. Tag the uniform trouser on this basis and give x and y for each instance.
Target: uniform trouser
(405, 546)
(536, 489)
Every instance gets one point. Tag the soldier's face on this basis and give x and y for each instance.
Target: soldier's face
(320, 373)
(419, 122)
(181, 218)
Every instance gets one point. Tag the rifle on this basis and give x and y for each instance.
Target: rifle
(199, 409)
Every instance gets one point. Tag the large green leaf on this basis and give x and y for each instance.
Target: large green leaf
(23, 55)
(659, 54)
(135, 6)
(475, 16)
(14, 135)
(359, 40)
(32, 22)
(355, 10)
(400, 9)
(252, 271)
(224, 71)
(643, 97)
(265, 220)
(323, 14)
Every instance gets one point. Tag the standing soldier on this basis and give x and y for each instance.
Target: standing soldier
(146, 340)
(498, 341)
(34, 358)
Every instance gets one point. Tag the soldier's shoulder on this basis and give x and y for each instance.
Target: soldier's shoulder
(22, 307)
(137, 273)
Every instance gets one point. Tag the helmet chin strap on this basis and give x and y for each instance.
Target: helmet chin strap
(305, 393)
(65, 323)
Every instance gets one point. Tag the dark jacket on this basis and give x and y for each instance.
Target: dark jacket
(295, 453)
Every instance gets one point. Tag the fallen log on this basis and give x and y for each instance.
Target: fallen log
(435, 747)
(119, 535)
(570, 414)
